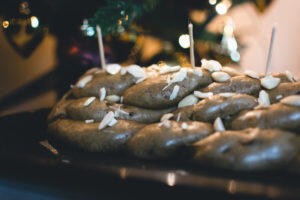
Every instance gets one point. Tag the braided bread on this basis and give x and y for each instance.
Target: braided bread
(160, 111)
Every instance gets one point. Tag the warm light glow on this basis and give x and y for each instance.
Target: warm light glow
(184, 41)
(171, 179)
(221, 8)
(212, 2)
(34, 22)
(5, 24)
(90, 31)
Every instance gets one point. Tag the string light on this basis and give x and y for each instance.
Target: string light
(5, 24)
(212, 2)
(221, 8)
(184, 41)
(34, 22)
(90, 31)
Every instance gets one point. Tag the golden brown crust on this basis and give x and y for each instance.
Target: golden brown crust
(209, 109)
(87, 136)
(239, 84)
(98, 109)
(247, 150)
(114, 85)
(283, 90)
(275, 116)
(154, 141)
(150, 93)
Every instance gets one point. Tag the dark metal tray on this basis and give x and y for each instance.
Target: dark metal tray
(25, 152)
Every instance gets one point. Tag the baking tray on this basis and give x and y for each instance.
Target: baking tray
(24, 145)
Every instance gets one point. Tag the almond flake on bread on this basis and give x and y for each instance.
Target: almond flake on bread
(187, 101)
(220, 76)
(136, 71)
(203, 95)
(184, 126)
(89, 101)
(118, 109)
(178, 117)
(82, 82)
(227, 94)
(252, 74)
(113, 68)
(174, 92)
(218, 125)
(108, 118)
(164, 123)
(140, 80)
(112, 122)
(289, 76)
(166, 116)
(102, 94)
(269, 82)
(113, 98)
(263, 100)
(211, 65)
(293, 100)
(178, 77)
(167, 69)
(279, 97)
(88, 121)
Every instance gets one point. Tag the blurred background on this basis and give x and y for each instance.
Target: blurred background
(45, 45)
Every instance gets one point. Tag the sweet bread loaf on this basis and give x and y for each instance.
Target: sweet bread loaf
(216, 115)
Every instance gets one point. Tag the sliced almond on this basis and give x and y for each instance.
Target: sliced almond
(166, 116)
(289, 76)
(227, 94)
(113, 98)
(167, 69)
(203, 95)
(293, 100)
(140, 80)
(88, 121)
(82, 82)
(178, 77)
(113, 68)
(187, 101)
(118, 109)
(174, 92)
(252, 74)
(178, 117)
(218, 125)
(106, 120)
(102, 94)
(184, 126)
(112, 122)
(220, 76)
(279, 97)
(269, 82)
(121, 99)
(136, 71)
(211, 65)
(164, 123)
(263, 99)
(123, 71)
(89, 101)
